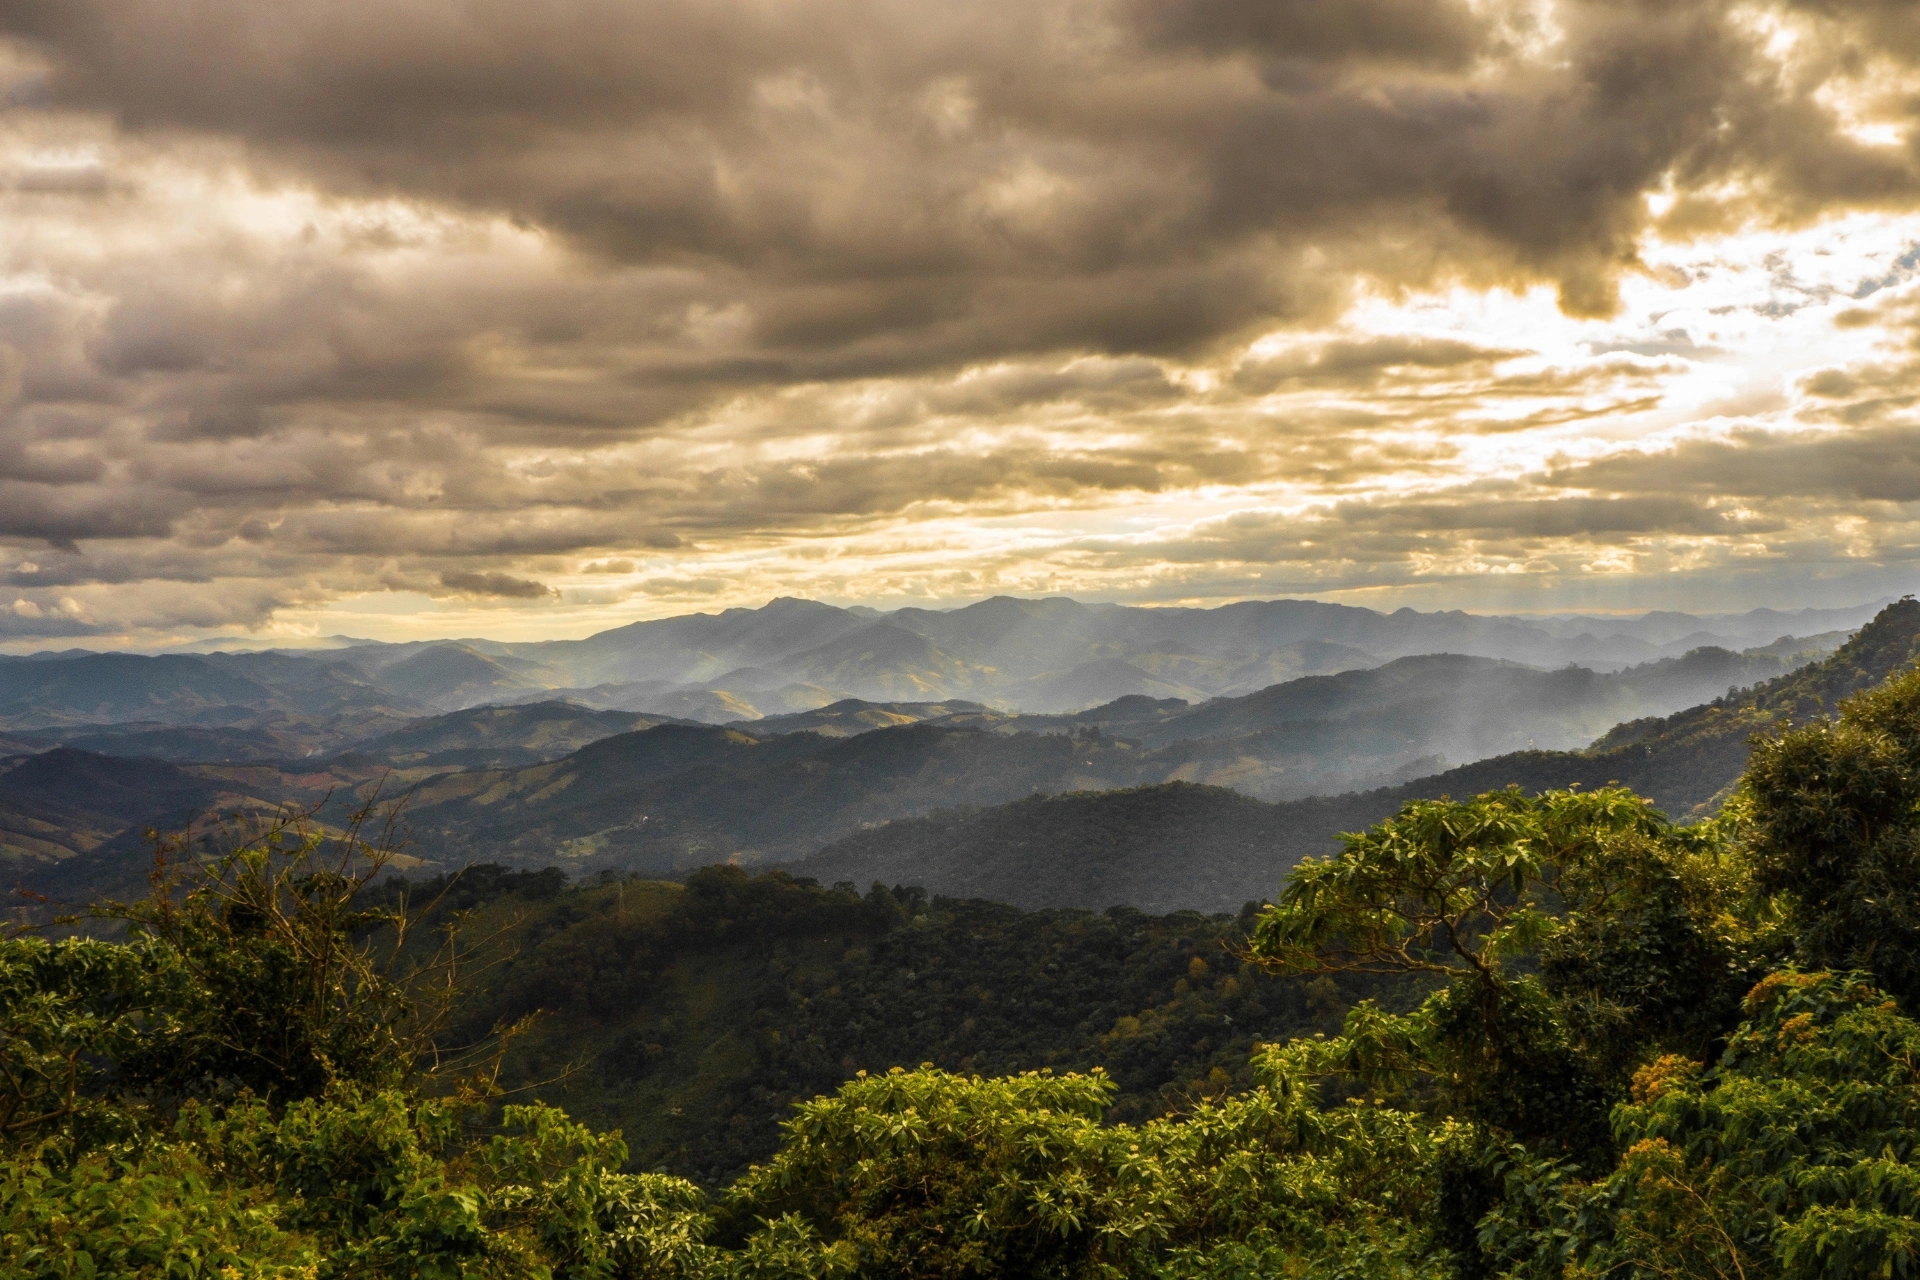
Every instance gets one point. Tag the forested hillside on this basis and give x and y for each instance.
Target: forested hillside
(692, 1018)
(675, 798)
(1597, 1044)
(490, 737)
(669, 798)
(1328, 734)
(1079, 850)
(1686, 760)
(544, 780)
(1161, 848)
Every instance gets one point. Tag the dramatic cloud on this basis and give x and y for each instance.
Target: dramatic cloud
(494, 584)
(452, 315)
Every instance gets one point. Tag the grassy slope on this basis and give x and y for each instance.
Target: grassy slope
(61, 803)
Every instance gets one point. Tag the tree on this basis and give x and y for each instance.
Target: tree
(1832, 813)
(255, 1083)
(1570, 932)
(923, 1174)
(1792, 1158)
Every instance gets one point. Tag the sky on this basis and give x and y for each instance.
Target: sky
(408, 318)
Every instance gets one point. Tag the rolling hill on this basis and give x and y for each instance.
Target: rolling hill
(64, 802)
(1066, 850)
(1049, 655)
(1687, 760)
(676, 797)
(1162, 848)
(849, 716)
(496, 737)
(264, 740)
(305, 703)
(1321, 735)
(671, 797)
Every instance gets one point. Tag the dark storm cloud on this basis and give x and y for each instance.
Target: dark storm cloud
(1442, 34)
(60, 515)
(14, 626)
(895, 188)
(455, 294)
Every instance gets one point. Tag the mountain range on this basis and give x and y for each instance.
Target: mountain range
(1052, 655)
(1211, 849)
(105, 746)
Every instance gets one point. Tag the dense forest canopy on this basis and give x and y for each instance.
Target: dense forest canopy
(1523, 1034)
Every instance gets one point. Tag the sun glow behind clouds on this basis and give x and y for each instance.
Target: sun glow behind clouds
(566, 336)
(1715, 338)
(1148, 481)
(1278, 466)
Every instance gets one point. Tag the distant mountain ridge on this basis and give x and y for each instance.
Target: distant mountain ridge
(671, 797)
(1686, 760)
(535, 783)
(1072, 850)
(1048, 656)
(1329, 734)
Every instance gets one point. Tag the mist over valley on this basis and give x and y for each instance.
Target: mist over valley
(766, 738)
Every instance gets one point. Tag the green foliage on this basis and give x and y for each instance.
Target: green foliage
(1833, 814)
(1792, 1158)
(261, 972)
(70, 1010)
(353, 1184)
(928, 1174)
(1446, 887)
(247, 1086)
(1576, 933)
(155, 1210)
(695, 1018)
(1554, 1074)
(1658, 941)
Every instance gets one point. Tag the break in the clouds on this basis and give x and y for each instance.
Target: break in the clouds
(430, 316)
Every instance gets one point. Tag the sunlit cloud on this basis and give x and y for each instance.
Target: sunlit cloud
(1528, 306)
